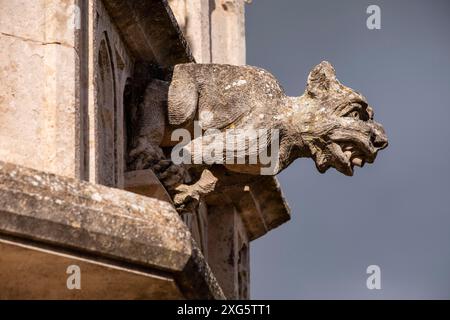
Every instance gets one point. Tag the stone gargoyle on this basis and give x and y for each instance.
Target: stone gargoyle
(330, 123)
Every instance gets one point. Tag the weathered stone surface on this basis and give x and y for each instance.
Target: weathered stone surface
(145, 182)
(193, 17)
(258, 199)
(229, 251)
(29, 270)
(108, 223)
(228, 31)
(261, 205)
(270, 201)
(214, 29)
(40, 95)
(330, 123)
(110, 67)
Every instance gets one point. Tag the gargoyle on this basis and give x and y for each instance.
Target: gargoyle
(330, 123)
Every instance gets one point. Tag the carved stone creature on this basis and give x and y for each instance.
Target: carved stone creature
(330, 123)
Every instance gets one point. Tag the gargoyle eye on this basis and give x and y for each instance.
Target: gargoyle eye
(354, 114)
(357, 111)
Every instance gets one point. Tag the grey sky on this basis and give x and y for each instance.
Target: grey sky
(394, 213)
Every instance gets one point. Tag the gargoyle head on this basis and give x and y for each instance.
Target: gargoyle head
(337, 123)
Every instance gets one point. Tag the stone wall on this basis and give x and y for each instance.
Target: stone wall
(215, 29)
(42, 87)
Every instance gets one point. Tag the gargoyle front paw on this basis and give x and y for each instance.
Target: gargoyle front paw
(184, 197)
(188, 196)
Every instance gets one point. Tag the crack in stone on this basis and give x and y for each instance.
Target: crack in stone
(58, 43)
(37, 41)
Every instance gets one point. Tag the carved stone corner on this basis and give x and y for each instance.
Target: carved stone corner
(261, 205)
(145, 182)
(126, 245)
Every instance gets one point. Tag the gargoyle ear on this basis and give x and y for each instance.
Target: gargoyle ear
(321, 78)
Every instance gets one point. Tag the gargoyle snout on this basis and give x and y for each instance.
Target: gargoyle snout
(378, 138)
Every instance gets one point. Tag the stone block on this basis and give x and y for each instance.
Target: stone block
(60, 216)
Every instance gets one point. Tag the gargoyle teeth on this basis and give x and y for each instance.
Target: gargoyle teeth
(348, 147)
(357, 162)
(348, 154)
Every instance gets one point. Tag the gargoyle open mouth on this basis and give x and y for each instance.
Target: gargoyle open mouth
(353, 155)
(346, 156)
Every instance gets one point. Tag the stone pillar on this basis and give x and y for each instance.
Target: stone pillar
(42, 101)
(193, 17)
(197, 223)
(215, 29)
(228, 251)
(228, 31)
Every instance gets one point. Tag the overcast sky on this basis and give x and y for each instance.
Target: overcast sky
(394, 213)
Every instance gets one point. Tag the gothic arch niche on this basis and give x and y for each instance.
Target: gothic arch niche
(128, 118)
(106, 114)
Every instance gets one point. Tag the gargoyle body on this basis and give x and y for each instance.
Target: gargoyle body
(330, 123)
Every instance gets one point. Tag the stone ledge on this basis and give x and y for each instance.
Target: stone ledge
(105, 222)
(30, 270)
